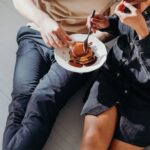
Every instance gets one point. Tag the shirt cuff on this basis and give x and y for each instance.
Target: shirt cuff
(113, 27)
(143, 44)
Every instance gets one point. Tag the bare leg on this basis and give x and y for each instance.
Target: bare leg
(98, 130)
(119, 145)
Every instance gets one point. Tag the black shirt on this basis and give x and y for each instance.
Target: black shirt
(130, 54)
(129, 59)
(125, 80)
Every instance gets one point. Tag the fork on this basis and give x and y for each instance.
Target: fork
(89, 33)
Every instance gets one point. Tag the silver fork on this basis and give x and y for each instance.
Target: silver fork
(89, 33)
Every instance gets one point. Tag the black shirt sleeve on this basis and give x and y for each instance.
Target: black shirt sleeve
(113, 27)
(143, 45)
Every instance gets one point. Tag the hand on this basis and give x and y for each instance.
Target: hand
(52, 34)
(134, 19)
(99, 21)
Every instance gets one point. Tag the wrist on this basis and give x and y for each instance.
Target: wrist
(142, 33)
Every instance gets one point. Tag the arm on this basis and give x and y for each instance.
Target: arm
(104, 24)
(141, 28)
(29, 10)
(52, 34)
(132, 20)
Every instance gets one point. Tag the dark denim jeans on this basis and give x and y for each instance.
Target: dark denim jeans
(40, 89)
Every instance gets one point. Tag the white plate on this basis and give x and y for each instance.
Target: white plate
(62, 55)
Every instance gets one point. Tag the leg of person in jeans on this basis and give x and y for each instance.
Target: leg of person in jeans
(45, 103)
(30, 68)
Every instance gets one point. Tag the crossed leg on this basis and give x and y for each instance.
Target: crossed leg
(99, 130)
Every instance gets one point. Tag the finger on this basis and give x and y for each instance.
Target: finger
(56, 39)
(67, 36)
(51, 41)
(89, 20)
(94, 30)
(99, 16)
(62, 37)
(98, 21)
(45, 39)
(96, 26)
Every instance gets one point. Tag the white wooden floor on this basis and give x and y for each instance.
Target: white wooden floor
(66, 134)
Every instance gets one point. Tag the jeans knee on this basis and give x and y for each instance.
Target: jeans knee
(44, 95)
(42, 105)
(20, 99)
(22, 91)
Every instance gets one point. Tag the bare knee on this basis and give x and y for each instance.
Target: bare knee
(91, 138)
(91, 134)
(98, 130)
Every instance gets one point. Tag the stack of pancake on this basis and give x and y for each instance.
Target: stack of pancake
(79, 56)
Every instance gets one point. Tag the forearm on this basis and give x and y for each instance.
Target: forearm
(142, 32)
(29, 10)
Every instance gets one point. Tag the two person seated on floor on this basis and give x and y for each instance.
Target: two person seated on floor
(41, 87)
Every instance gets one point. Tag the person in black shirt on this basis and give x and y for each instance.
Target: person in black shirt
(117, 111)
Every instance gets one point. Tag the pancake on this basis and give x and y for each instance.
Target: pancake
(80, 57)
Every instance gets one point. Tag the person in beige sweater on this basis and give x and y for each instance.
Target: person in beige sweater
(41, 87)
